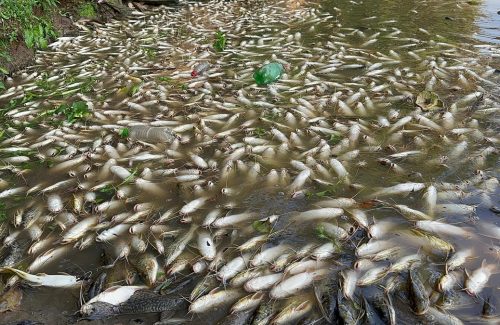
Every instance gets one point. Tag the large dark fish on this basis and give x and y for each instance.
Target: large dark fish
(141, 302)
(348, 309)
(372, 317)
(146, 302)
(239, 318)
(97, 286)
(418, 296)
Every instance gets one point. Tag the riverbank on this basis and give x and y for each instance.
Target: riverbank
(28, 25)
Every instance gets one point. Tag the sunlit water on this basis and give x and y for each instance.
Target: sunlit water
(489, 22)
(353, 66)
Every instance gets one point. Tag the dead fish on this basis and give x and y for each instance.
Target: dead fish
(97, 286)
(436, 316)
(476, 281)
(418, 295)
(144, 301)
(399, 189)
(46, 280)
(294, 284)
(238, 318)
(177, 247)
(215, 299)
(371, 314)
(113, 296)
(349, 310)
(293, 312)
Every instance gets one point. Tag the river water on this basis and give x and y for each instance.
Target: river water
(335, 164)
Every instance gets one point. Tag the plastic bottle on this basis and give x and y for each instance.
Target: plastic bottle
(268, 73)
(199, 69)
(151, 134)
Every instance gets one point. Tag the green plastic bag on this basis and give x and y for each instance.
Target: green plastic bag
(269, 73)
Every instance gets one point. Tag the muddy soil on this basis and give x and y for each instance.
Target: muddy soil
(63, 21)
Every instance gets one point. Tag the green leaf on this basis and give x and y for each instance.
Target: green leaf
(4, 70)
(108, 189)
(334, 139)
(165, 79)
(29, 38)
(130, 178)
(42, 43)
(2, 86)
(322, 194)
(77, 110)
(262, 226)
(320, 232)
(220, 41)
(259, 132)
(80, 109)
(134, 89)
(124, 132)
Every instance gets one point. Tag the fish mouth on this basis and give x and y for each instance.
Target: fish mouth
(421, 312)
(470, 292)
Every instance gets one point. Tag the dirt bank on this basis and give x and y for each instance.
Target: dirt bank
(16, 52)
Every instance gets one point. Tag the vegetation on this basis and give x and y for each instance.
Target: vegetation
(150, 53)
(334, 139)
(124, 132)
(77, 110)
(259, 132)
(87, 10)
(20, 22)
(262, 226)
(134, 89)
(220, 41)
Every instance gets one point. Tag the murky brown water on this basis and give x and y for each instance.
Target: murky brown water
(384, 54)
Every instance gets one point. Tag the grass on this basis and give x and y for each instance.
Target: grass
(87, 10)
(124, 133)
(150, 53)
(21, 23)
(259, 132)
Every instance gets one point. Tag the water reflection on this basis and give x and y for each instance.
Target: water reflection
(489, 22)
(450, 19)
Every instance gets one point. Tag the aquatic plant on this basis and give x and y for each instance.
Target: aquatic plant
(220, 41)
